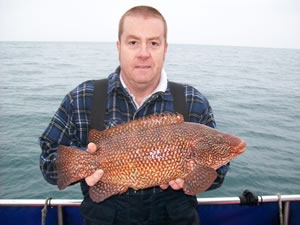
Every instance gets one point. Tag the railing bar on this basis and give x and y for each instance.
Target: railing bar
(201, 201)
(286, 212)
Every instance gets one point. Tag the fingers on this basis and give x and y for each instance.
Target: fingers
(91, 148)
(94, 178)
(176, 184)
(164, 186)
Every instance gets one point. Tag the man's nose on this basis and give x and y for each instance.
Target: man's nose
(144, 50)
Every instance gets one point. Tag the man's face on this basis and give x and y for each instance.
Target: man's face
(142, 48)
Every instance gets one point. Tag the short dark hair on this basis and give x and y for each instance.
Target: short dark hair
(146, 12)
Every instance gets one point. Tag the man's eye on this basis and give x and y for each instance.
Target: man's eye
(154, 43)
(132, 43)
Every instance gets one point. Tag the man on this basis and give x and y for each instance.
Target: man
(138, 88)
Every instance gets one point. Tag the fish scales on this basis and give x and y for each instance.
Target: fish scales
(146, 153)
(149, 152)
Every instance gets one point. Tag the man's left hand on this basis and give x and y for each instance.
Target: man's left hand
(175, 184)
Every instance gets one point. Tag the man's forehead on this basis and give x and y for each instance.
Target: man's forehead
(140, 25)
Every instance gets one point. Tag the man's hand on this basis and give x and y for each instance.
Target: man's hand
(175, 184)
(95, 177)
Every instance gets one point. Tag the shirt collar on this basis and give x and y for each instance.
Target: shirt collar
(163, 83)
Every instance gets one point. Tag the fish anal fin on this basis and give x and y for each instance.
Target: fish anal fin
(199, 180)
(101, 191)
(137, 125)
(73, 165)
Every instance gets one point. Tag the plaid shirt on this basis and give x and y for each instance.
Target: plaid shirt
(71, 122)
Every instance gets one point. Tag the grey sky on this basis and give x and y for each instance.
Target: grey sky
(261, 23)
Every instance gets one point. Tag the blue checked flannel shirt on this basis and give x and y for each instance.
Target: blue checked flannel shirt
(70, 124)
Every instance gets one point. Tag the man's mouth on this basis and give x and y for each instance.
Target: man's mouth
(142, 67)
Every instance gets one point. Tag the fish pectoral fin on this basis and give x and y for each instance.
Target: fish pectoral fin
(199, 180)
(101, 191)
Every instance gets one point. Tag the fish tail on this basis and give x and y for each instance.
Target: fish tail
(73, 165)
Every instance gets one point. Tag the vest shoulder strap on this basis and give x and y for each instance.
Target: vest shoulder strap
(99, 104)
(179, 104)
(100, 98)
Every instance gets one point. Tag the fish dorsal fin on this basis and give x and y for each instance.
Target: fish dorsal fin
(149, 122)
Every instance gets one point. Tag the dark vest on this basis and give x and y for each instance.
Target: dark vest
(99, 102)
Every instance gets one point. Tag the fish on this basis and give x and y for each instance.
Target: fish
(149, 152)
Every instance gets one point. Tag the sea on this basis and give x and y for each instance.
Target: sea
(254, 93)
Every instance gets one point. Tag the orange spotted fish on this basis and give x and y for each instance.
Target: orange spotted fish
(149, 152)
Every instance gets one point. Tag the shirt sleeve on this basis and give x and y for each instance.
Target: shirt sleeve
(221, 173)
(56, 133)
(199, 108)
(69, 126)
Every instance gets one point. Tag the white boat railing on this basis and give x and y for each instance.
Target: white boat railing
(40, 202)
(201, 201)
(236, 200)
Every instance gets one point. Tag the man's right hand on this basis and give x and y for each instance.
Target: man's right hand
(96, 176)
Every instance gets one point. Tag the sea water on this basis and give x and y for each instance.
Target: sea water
(254, 93)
